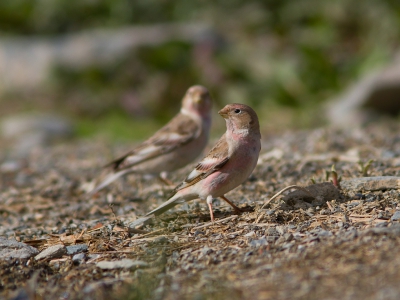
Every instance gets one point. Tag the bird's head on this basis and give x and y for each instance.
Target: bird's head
(240, 118)
(197, 99)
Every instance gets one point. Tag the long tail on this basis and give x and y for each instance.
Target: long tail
(174, 200)
(110, 178)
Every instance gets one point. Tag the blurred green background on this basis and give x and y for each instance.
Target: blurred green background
(284, 57)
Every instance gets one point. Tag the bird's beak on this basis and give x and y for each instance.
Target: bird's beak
(197, 99)
(223, 113)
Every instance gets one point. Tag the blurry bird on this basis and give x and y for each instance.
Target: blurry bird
(227, 165)
(173, 146)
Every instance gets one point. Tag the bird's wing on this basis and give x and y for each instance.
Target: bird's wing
(179, 131)
(215, 159)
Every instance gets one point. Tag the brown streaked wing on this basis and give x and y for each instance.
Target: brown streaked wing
(216, 158)
(179, 131)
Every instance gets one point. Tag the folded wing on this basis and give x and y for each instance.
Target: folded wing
(178, 132)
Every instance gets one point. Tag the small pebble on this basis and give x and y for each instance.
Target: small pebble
(250, 234)
(258, 243)
(79, 258)
(396, 216)
(288, 237)
(121, 264)
(74, 249)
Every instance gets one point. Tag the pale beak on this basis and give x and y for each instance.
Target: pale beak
(196, 98)
(223, 113)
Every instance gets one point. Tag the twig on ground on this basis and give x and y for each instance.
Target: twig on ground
(135, 230)
(95, 229)
(146, 234)
(215, 222)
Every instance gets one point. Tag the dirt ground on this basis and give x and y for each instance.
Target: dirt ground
(339, 245)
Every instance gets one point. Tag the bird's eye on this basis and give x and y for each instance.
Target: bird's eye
(237, 111)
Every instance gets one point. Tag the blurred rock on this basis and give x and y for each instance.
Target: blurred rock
(74, 249)
(51, 252)
(26, 62)
(28, 131)
(373, 96)
(50, 125)
(393, 230)
(379, 183)
(79, 258)
(288, 237)
(258, 243)
(121, 264)
(11, 166)
(319, 193)
(396, 216)
(13, 249)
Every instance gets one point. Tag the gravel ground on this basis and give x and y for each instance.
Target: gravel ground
(325, 243)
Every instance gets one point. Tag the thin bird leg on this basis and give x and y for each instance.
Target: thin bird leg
(237, 209)
(209, 203)
(211, 212)
(164, 179)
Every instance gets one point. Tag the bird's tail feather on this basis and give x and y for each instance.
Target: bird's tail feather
(175, 200)
(110, 178)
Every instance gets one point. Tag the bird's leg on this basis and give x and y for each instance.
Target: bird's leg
(164, 179)
(209, 203)
(237, 209)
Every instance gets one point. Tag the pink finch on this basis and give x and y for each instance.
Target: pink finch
(227, 165)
